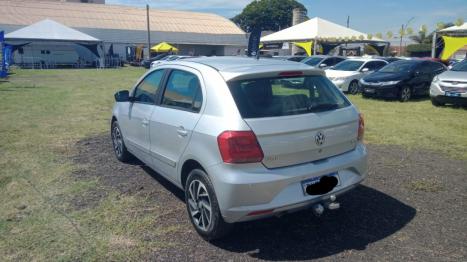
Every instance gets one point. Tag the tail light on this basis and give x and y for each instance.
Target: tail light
(361, 127)
(239, 147)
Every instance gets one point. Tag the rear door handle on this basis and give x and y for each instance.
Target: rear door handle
(181, 131)
(145, 122)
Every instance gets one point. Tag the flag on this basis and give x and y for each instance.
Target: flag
(253, 42)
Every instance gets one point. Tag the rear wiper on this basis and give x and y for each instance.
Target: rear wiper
(323, 107)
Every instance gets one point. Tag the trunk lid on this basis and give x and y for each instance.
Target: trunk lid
(297, 139)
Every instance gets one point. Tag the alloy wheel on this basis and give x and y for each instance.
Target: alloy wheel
(405, 94)
(117, 141)
(353, 88)
(199, 204)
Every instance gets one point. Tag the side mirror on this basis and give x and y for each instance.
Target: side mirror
(364, 70)
(122, 96)
(322, 65)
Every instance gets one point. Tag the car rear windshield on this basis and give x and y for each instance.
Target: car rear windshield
(283, 96)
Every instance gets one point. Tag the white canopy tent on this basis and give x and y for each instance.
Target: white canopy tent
(455, 29)
(318, 29)
(47, 34)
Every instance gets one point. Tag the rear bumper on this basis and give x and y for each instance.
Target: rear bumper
(243, 189)
(380, 91)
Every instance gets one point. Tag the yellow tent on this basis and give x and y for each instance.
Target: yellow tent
(164, 47)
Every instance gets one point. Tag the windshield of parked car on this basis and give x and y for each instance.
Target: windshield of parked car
(312, 61)
(348, 65)
(399, 67)
(282, 96)
(461, 66)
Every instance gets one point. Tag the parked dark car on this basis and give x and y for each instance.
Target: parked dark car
(390, 59)
(401, 79)
(146, 63)
(294, 58)
(322, 61)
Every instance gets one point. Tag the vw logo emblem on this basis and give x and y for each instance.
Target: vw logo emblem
(320, 138)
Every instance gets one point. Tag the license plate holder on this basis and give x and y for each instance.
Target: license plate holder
(452, 94)
(314, 180)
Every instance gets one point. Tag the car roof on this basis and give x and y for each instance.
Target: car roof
(364, 59)
(233, 67)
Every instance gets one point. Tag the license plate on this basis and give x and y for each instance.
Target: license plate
(314, 180)
(369, 90)
(453, 94)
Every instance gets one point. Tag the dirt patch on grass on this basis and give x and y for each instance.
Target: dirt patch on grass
(411, 207)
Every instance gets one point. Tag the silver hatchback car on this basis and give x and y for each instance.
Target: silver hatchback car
(244, 138)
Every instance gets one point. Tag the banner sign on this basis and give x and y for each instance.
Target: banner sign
(3, 71)
(272, 46)
(253, 42)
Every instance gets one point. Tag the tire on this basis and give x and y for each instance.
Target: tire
(436, 102)
(405, 94)
(353, 88)
(199, 198)
(119, 147)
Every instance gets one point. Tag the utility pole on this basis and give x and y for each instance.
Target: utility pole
(400, 45)
(149, 31)
(348, 21)
(402, 32)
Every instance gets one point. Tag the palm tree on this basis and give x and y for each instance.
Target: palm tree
(421, 38)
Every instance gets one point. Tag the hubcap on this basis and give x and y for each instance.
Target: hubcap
(117, 141)
(199, 205)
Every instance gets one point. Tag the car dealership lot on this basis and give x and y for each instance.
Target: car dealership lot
(65, 196)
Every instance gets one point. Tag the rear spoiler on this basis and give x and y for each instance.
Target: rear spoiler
(234, 76)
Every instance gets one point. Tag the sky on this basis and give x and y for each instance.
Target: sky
(369, 16)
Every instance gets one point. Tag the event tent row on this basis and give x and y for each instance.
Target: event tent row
(71, 48)
(318, 31)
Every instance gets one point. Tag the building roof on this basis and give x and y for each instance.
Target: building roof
(26, 12)
(316, 28)
(51, 31)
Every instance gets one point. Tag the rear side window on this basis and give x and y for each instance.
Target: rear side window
(146, 90)
(183, 91)
(270, 97)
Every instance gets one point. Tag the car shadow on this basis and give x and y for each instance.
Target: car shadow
(366, 216)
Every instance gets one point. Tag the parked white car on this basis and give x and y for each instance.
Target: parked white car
(346, 74)
(244, 138)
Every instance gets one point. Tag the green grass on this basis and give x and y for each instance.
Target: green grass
(415, 125)
(43, 113)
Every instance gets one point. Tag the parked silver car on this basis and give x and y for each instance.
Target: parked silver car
(244, 138)
(450, 87)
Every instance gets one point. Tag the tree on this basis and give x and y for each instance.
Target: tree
(267, 15)
(459, 22)
(421, 38)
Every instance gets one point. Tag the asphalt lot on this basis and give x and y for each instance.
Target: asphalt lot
(412, 207)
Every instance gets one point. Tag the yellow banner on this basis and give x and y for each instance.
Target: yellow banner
(451, 45)
(307, 46)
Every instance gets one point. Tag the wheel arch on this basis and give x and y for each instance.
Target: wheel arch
(187, 166)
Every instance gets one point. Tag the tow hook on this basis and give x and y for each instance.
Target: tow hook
(318, 209)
